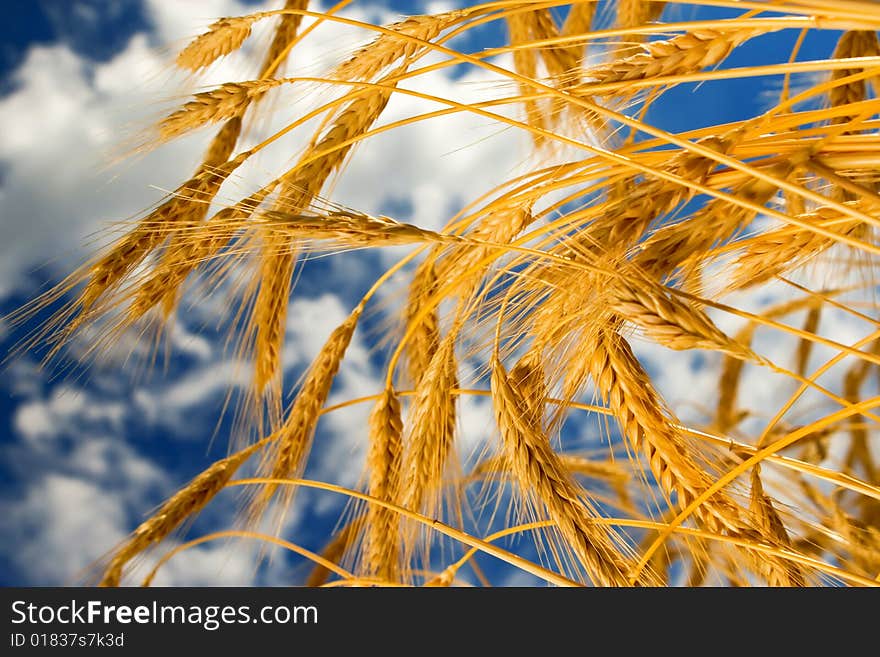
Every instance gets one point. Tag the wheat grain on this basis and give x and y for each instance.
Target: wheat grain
(777, 572)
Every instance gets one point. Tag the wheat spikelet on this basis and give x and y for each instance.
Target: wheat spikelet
(621, 380)
(529, 378)
(525, 62)
(185, 503)
(350, 228)
(636, 204)
(859, 449)
(578, 21)
(310, 173)
(497, 227)
(285, 32)
(560, 61)
(726, 414)
(190, 249)
(270, 307)
(386, 49)
(862, 540)
(805, 346)
(293, 440)
(223, 143)
(222, 37)
(540, 473)
(384, 462)
(177, 263)
(635, 13)
(188, 204)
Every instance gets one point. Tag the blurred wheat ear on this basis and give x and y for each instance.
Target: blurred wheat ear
(567, 295)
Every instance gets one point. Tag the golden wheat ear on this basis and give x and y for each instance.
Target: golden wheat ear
(184, 504)
(540, 475)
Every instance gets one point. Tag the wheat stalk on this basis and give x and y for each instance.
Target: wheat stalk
(777, 572)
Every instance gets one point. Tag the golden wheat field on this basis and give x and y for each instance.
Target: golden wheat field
(637, 241)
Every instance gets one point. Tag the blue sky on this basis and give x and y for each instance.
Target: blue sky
(85, 453)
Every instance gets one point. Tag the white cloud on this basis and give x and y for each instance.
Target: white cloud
(65, 524)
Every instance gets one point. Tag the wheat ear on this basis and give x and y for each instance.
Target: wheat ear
(431, 434)
(185, 503)
(621, 380)
(422, 324)
(386, 48)
(538, 471)
(687, 53)
(336, 549)
(293, 440)
(223, 37)
(384, 460)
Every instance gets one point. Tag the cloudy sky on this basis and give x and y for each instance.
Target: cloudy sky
(85, 454)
